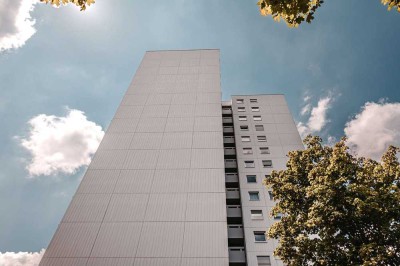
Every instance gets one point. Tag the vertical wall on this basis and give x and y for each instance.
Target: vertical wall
(154, 193)
(264, 133)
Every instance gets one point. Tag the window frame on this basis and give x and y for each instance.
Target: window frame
(240, 101)
(262, 138)
(259, 127)
(255, 179)
(257, 193)
(267, 163)
(255, 109)
(248, 150)
(264, 150)
(257, 118)
(262, 234)
(244, 128)
(253, 101)
(242, 118)
(249, 164)
(256, 216)
(245, 138)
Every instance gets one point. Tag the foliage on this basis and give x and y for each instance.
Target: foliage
(337, 209)
(81, 3)
(294, 12)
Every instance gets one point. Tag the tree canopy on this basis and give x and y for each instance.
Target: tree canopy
(337, 209)
(80, 3)
(294, 12)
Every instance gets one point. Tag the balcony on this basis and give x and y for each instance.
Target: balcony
(227, 120)
(231, 178)
(226, 111)
(229, 151)
(228, 129)
(230, 163)
(235, 231)
(237, 255)
(229, 140)
(232, 193)
(234, 211)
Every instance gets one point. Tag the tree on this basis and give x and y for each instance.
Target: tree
(81, 3)
(337, 209)
(294, 12)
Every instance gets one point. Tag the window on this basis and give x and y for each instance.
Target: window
(244, 128)
(245, 138)
(267, 176)
(261, 138)
(251, 178)
(240, 101)
(241, 109)
(259, 236)
(259, 128)
(255, 109)
(256, 214)
(278, 216)
(264, 150)
(249, 164)
(247, 151)
(254, 195)
(263, 261)
(257, 118)
(271, 196)
(253, 100)
(242, 118)
(267, 163)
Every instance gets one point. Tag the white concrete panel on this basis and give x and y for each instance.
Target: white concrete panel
(134, 181)
(209, 62)
(87, 208)
(123, 125)
(126, 208)
(174, 159)
(205, 262)
(189, 62)
(170, 63)
(157, 262)
(146, 141)
(177, 140)
(280, 109)
(117, 240)
(210, 140)
(206, 180)
(129, 111)
(277, 99)
(117, 141)
(165, 70)
(62, 262)
(287, 148)
(141, 159)
(170, 181)
(73, 240)
(210, 54)
(209, 69)
(188, 70)
(159, 99)
(290, 139)
(108, 159)
(206, 207)
(283, 118)
(207, 158)
(250, 223)
(150, 244)
(155, 111)
(209, 98)
(179, 124)
(287, 128)
(165, 78)
(153, 124)
(98, 181)
(110, 261)
(205, 240)
(186, 110)
(183, 98)
(211, 109)
(166, 207)
(132, 99)
(208, 124)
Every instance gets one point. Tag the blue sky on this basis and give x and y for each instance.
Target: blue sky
(340, 76)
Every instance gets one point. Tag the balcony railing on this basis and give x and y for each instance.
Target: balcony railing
(232, 193)
(235, 231)
(234, 211)
(231, 178)
(237, 255)
(230, 163)
(227, 120)
(228, 129)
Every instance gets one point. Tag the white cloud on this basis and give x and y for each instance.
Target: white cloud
(318, 117)
(376, 127)
(21, 258)
(16, 23)
(61, 144)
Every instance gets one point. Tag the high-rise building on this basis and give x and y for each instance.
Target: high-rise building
(177, 179)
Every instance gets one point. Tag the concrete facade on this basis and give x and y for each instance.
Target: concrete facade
(160, 189)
